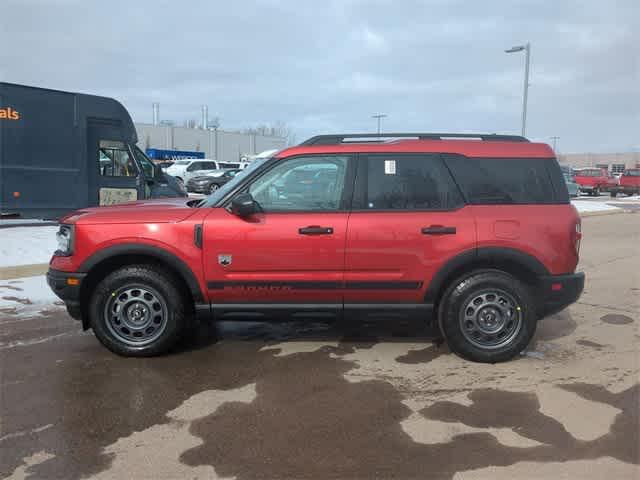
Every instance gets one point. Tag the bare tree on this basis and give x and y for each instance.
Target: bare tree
(276, 129)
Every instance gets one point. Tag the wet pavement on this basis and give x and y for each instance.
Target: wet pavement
(312, 400)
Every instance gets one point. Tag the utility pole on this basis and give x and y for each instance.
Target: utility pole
(527, 51)
(379, 117)
(555, 139)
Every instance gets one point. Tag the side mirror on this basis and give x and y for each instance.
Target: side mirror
(243, 205)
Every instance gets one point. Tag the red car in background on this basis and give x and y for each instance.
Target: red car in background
(630, 182)
(595, 180)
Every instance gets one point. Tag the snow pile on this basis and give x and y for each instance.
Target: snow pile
(586, 206)
(25, 297)
(27, 245)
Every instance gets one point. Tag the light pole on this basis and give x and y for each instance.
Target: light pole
(379, 116)
(555, 139)
(527, 49)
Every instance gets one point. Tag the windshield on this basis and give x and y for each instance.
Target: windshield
(568, 178)
(231, 184)
(145, 163)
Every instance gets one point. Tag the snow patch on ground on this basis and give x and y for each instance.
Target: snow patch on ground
(26, 245)
(26, 297)
(585, 206)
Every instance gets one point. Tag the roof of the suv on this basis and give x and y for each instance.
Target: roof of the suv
(471, 145)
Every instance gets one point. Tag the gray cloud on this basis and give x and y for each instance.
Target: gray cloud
(327, 66)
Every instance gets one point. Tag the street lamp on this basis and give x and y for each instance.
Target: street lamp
(379, 116)
(555, 140)
(527, 49)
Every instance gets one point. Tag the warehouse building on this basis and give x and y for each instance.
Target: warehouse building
(613, 162)
(210, 143)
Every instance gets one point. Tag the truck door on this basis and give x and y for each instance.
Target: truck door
(114, 176)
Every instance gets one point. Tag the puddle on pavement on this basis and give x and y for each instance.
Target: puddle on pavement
(306, 420)
(11, 287)
(616, 319)
(422, 356)
(23, 301)
(589, 343)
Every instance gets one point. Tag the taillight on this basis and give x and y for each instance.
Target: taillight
(578, 236)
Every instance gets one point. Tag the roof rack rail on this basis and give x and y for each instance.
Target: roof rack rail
(380, 137)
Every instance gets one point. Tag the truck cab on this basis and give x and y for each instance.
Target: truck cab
(62, 151)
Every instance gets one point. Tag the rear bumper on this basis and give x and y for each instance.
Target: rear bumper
(559, 291)
(66, 285)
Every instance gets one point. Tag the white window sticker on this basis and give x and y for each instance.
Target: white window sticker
(390, 167)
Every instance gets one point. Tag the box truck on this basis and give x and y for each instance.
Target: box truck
(61, 151)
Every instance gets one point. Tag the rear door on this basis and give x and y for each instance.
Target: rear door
(408, 220)
(114, 176)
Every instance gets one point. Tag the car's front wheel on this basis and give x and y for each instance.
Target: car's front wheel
(138, 311)
(213, 187)
(487, 316)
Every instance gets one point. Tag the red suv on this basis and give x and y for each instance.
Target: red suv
(475, 232)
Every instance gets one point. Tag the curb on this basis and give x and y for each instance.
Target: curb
(606, 212)
(20, 271)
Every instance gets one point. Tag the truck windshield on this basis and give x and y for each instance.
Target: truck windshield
(212, 199)
(146, 164)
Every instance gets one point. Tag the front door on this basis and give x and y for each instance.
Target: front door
(408, 219)
(292, 252)
(114, 175)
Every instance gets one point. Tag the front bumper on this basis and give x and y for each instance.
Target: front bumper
(559, 291)
(67, 285)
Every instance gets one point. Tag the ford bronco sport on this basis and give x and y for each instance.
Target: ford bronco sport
(475, 232)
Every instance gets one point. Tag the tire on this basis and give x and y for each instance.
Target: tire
(613, 194)
(213, 187)
(596, 192)
(495, 301)
(138, 311)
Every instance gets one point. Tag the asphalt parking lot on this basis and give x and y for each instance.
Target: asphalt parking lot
(356, 401)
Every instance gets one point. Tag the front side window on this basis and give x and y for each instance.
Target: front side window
(632, 173)
(406, 182)
(115, 160)
(314, 183)
(194, 166)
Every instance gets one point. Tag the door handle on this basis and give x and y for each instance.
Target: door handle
(438, 230)
(315, 230)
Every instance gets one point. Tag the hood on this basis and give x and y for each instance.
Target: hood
(160, 210)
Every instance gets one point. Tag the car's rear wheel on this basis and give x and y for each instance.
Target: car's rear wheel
(613, 194)
(138, 311)
(487, 316)
(213, 187)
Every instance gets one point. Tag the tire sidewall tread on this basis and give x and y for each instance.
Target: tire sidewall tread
(458, 294)
(159, 280)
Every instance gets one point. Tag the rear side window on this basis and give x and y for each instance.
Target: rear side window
(405, 182)
(632, 173)
(508, 180)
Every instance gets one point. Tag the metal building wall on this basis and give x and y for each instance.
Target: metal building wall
(218, 145)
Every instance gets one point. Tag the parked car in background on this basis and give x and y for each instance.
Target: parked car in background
(186, 169)
(593, 180)
(212, 181)
(164, 164)
(630, 182)
(572, 187)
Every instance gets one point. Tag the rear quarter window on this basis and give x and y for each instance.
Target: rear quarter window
(508, 180)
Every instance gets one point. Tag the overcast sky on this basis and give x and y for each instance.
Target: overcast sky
(327, 66)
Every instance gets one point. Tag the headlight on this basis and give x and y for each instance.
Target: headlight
(64, 236)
